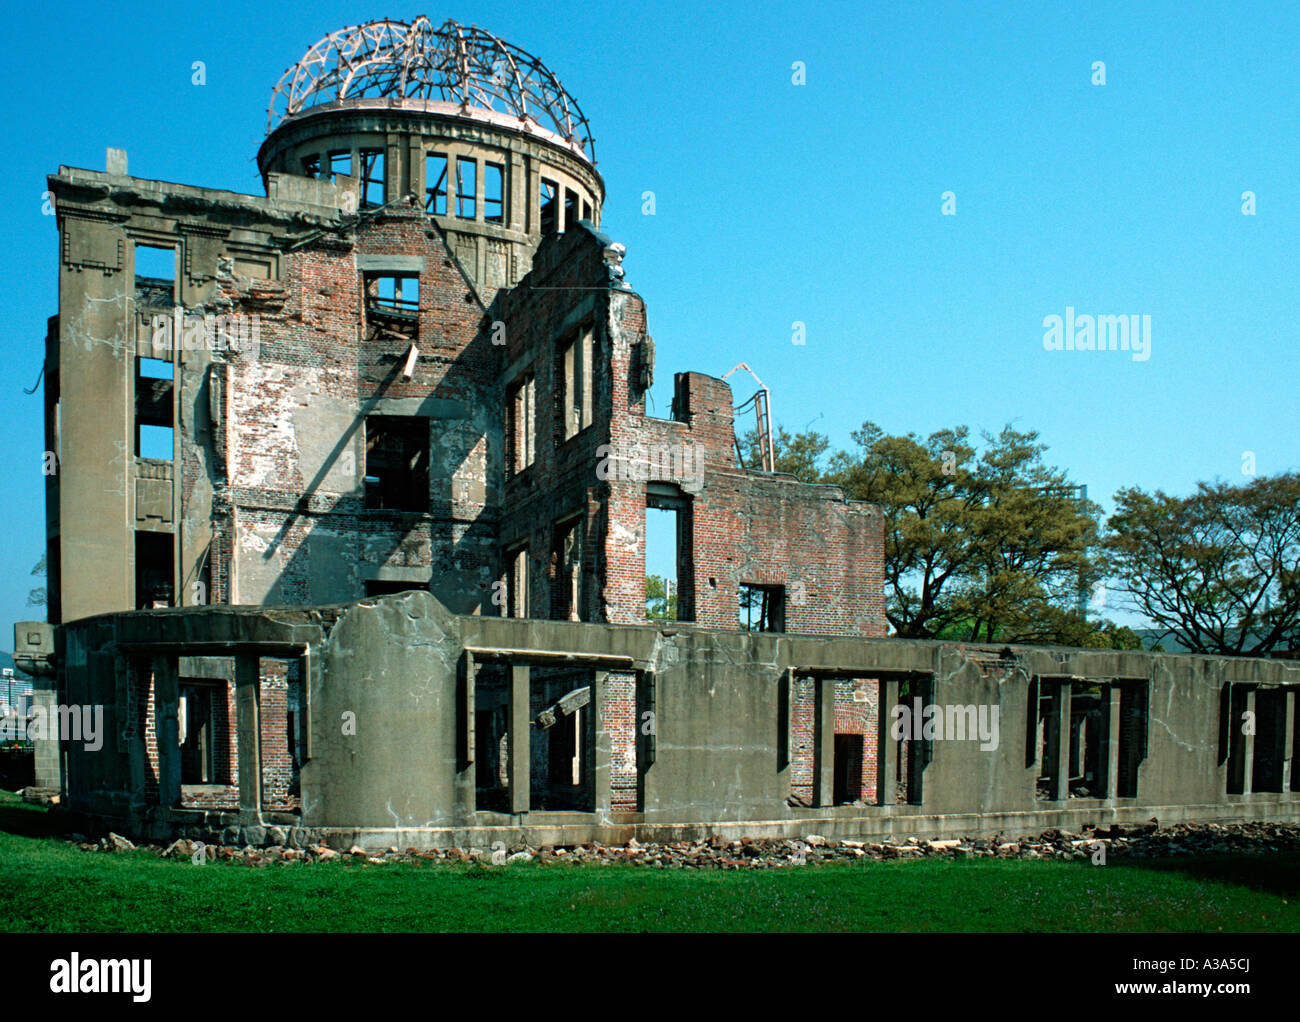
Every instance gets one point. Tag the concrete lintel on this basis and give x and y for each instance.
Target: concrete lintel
(501, 654)
(381, 263)
(416, 407)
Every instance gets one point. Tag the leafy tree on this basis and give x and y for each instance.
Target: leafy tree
(800, 455)
(659, 605)
(991, 546)
(1220, 569)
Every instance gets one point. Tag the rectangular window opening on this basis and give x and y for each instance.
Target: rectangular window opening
(561, 777)
(154, 442)
(1088, 734)
(848, 754)
(205, 733)
(548, 217)
(154, 585)
(566, 570)
(762, 608)
(155, 276)
(393, 305)
(372, 178)
(669, 585)
(155, 369)
(466, 188)
(914, 754)
(154, 414)
(516, 604)
(397, 463)
(494, 195)
(1133, 715)
(576, 365)
(435, 178)
(491, 738)
(522, 408)
(570, 209)
(340, 165)
(311, 166)
(1270, 740)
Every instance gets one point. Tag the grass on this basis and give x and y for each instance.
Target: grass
(53, 886)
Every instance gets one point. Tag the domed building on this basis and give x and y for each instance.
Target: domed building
(347, 530)
(415, 365)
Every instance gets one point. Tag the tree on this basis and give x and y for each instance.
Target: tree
(991, 546)
(799, 455)
(36, 597)
(1217, 569)
(659, 605)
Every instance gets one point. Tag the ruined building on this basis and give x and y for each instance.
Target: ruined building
(416, 363)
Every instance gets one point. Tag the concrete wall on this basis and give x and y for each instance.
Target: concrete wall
(703, 715)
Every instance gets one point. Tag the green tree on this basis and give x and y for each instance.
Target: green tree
(801, 455)
(659, 605)
(1220, 569)
(985, 546)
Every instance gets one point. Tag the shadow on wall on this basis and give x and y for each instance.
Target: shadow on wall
(460, 558)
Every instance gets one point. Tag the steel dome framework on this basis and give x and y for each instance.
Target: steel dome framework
(467, 67)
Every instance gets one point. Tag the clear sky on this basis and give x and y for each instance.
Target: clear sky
(817, 203)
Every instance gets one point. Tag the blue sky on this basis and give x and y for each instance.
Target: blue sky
(818, 203)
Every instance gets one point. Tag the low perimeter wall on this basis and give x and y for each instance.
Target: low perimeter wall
(390, 721)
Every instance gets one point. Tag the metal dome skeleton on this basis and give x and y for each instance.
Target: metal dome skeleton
(466, 67)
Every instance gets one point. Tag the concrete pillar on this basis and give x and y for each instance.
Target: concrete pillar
(47, 751)
(600, 770)
(824, 743)
(520, 739)
(1109, 758)
(166, 702)
(1288, 736)
(1248, 744)
(1058, 743)
(415, 169)
(516, 194)
(886, 746)
(248, 683)
(534, 189)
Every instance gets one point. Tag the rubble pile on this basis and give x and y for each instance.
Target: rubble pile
(1117, 841)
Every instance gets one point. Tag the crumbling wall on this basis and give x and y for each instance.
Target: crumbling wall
(297, 435)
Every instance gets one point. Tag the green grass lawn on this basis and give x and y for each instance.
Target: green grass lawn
(50, 885)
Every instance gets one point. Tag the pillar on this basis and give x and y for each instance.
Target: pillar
(520, 727)
(1110, 750)
(600, 770)
(1288, 736)
(1058, 741)
(886, 746)
(248, 683)
(824, 743)
(166, 702)
(1248, 744)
